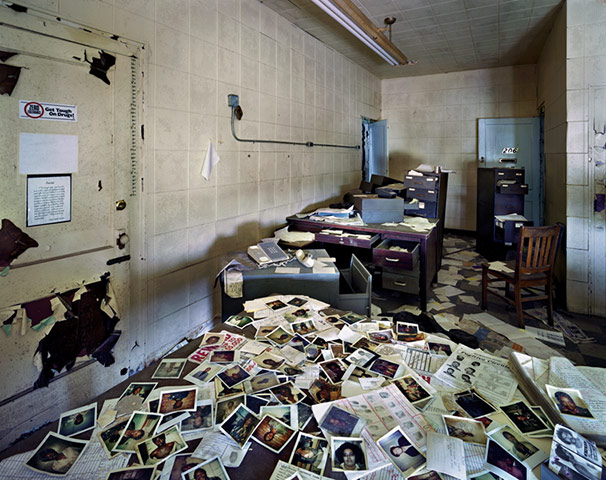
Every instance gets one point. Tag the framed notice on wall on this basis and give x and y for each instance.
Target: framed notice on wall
(49, 199)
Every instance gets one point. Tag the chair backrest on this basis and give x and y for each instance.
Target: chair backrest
(537, 249)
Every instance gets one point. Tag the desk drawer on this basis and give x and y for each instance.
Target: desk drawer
(382, 255)
(423, 209)
(347, 238)
(430, 195)
(400, 282)
(512, 189)
(510, 174)
(427, 181)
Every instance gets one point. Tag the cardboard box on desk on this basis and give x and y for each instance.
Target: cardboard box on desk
(379, 210)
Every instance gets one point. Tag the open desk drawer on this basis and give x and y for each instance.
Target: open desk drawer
(351, 241)
(382, 255)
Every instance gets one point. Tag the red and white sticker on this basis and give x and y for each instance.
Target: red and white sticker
(47, 111)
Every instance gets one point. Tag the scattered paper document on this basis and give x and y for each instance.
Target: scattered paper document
(448, 290)
(500, 267)
(469, 299)
(547, 335)
(446, 455)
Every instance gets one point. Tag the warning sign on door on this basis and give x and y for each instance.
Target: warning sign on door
(47, 111)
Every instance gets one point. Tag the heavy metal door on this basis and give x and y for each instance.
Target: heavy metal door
(514, 142)
(61, 120)
(376, 149)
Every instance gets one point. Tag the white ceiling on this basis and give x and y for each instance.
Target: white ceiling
(441, 35)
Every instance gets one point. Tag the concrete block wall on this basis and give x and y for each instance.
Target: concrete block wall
(291, 87)
(433, 119)
(586, 72)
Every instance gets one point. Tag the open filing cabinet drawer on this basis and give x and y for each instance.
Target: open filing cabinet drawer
(512, 188)
(355, 289)
(351, 239)
(428, 181)
(383, 254)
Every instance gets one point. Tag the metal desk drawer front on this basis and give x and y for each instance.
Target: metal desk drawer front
(382, 255)
(426, 181)
(430, 195)
(401, 282)
(513, 189)
(338, 239)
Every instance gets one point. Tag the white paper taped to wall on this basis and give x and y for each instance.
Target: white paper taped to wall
(41, 153)
(211, 159)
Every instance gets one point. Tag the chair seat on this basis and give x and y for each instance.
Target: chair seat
(509, 276)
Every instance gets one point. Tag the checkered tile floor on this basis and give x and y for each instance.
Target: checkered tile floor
(460, 267)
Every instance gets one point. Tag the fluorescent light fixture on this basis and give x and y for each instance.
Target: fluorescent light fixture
(354, 28)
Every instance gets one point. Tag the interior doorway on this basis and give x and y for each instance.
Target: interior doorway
(375, 152)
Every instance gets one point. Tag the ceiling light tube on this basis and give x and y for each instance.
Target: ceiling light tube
(353, 28)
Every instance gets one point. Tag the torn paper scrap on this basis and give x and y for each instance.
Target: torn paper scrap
(211, 159)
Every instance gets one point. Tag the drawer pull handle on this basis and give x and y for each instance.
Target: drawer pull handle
(392, 259)
(341, 241)
(400, 284)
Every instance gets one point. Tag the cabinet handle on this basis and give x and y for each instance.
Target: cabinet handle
(400, 284)
(392, 259)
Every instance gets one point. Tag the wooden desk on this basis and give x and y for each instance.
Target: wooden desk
(428, 245)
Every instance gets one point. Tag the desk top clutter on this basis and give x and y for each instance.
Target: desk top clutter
(291, 388)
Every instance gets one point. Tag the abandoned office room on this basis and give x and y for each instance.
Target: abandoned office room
(147, 143)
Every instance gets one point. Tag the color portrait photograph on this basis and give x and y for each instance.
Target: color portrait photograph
(181, 463)
(298, 314)
(518, 446)
(269, 361)
(203, 373)
(401, 451)
(361, 357)
(233, 375)
(276, 305)
(474, 404)
(381, 336)
(323, 391)
(132, 473)
(134, 396)
(285, 413)
(211, 469)
(170, 368)
(223, 391)
(313, 353)
(56, 454)
(297, 302)
(212, 339)
(239, 425)
(341, 423)
(523, 418)
(273, 434)
(201, 418)
(502, 463)
(158, 448)
(141, 425)
(468, 430)
(264, 381)
(287, 393)
(224, 408)
(303, 328)
(78, 420)
(279, 336)
(239, 321)
(224, 356)
(110, 435)
(310, 453)
(299, 343)
(334, 370)
(181, 400)
(568, 401)
(385, 368)
(411, 389)
(348, 454)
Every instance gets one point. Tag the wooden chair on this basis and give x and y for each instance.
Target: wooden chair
(533, 267)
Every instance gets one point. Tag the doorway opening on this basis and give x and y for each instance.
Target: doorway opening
(375, 158)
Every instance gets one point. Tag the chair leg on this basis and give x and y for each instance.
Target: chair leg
(518, 300)
(549, 302)
(484, 288)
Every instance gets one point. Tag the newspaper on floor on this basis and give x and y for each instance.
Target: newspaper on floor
(488, 374)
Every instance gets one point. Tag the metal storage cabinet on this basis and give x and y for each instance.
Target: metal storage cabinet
(430, 189)
(496, 199)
